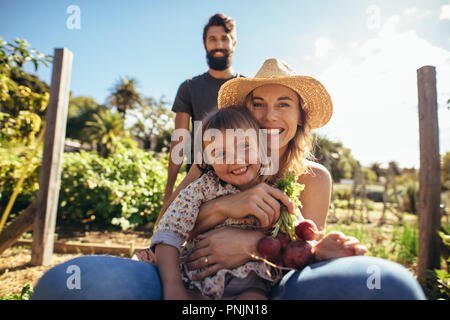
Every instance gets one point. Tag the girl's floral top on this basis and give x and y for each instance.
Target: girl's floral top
(179, 220)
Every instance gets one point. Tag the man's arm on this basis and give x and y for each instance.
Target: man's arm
(181, 122)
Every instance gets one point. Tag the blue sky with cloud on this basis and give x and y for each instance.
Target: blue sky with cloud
(365, 52)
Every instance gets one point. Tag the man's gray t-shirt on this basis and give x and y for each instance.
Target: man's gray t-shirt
(198, 97)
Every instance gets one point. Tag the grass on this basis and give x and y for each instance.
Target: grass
(25, 294)
(392, 242)
(398, 242)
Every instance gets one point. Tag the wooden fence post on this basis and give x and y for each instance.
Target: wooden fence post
(50, 173)
(429, 174)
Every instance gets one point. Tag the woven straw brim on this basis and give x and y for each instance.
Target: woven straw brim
(316, 101)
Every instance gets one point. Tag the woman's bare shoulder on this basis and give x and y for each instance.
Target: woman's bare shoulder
(316, 174)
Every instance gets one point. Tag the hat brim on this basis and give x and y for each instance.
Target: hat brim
(316, 101)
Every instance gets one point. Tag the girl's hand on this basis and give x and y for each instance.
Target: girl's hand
(223, 248)
(261, 201)
(337, 245)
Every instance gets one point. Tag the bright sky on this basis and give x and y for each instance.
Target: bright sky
(365, 52)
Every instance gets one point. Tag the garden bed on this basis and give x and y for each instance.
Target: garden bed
(16, 270)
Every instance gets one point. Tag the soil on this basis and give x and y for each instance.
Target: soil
(16, 270)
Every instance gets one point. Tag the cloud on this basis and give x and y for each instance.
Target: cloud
(322, 46)
(445, 12)
(416, 13)
(373, 85)
(411, 11)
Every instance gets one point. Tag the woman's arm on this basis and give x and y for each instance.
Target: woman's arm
(169, 271)
(317, 194)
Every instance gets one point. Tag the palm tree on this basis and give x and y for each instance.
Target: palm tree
(107, 131)
(124, 95)
(153, 120)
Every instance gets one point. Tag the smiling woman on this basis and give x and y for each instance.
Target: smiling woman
(278, 111)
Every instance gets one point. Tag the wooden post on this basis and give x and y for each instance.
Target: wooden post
(429, 174)
(50, 173)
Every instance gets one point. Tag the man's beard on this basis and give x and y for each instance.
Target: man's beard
(219, 63)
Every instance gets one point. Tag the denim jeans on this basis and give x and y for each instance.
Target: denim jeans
(110, 278)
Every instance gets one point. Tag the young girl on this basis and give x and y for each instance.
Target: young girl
(254, 279)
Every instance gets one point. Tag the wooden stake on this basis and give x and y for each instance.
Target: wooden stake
(429, 174)
(50, 173)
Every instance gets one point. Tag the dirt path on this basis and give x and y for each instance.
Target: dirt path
(16, 271)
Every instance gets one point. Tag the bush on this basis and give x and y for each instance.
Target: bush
(12, 162)
(123, 191)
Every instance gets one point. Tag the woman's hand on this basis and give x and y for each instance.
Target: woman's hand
(337, 245)
(223, 248)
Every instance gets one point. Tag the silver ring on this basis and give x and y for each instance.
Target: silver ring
(206, 260)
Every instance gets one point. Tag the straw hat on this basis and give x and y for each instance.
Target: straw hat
(315, 100)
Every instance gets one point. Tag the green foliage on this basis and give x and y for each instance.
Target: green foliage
(124, 96)
(107, 132)
(287, 222)
(125, 189)
(12, 161)
(25, 294)
(23, 97)
(18, 90)
(405, 240)
(19, 130)
(335, 157)
(369, 175)
(437, 285)
(153, 120)
(81, 110)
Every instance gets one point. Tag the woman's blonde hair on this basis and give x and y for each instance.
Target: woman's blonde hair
(299, 149)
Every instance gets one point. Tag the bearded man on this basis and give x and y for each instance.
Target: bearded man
(196, 97)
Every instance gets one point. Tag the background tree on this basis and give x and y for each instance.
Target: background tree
(379, 171)
(81, 111)
(335, 157)
(124, 96)
(23, 97)
(107, 132)
(154, 123)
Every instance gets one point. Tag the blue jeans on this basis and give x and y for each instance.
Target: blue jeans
(351, 278)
